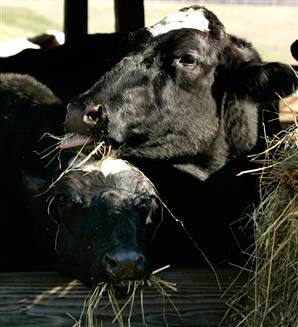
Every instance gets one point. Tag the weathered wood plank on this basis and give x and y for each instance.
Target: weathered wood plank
(44, 299)
(75, 19)
(288, 110)
(129, 15)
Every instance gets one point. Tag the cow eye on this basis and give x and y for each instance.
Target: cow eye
(187, 60)
(149, 61)
(143, 210)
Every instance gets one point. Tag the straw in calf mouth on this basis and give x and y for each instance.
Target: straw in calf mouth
(132, 288)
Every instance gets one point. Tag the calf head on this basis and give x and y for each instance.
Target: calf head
(105, 215)
(189, 95)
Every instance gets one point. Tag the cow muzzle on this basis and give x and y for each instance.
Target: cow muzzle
(86, 119)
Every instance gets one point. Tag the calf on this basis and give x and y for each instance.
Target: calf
(105, 212)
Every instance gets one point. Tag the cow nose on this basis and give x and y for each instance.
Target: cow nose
(80, 117)
(93, 114)
(125, 264)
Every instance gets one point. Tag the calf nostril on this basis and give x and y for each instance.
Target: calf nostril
(140, 259)
(111, 262)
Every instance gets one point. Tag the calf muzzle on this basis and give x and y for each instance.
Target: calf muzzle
(125, 264)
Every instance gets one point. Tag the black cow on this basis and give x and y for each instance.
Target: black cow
(73, 67)
(28, 110)
(105, 212)
(189, 97)
(183, 107)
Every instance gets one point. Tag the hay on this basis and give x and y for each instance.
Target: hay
(88, 318)
(270, 297)
(99, 150)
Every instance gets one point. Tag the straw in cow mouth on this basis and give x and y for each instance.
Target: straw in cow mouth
(71, 140)
(162, 287)
(74, 140)
(67, 141)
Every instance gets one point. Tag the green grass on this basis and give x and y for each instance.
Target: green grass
(24, 21)
(271, 29)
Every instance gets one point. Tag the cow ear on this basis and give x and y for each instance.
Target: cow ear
(139, 39)
(294, 49)
(263, 82)
(34, 185)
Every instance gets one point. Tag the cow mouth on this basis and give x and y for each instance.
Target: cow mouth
(74, 140)
(85, 142)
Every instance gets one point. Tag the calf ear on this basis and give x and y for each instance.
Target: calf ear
(263, 82)
(34, 185)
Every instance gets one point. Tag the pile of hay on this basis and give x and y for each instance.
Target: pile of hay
(270, 297)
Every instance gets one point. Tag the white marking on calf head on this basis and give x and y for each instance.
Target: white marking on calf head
(191, 18)
(108, 166)
(112, 166)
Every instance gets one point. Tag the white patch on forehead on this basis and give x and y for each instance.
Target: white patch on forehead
(108, 166)
(192, 18)
(111, 166)
(88, 167)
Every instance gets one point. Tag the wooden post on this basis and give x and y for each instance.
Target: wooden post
(129, 15)
(75, 19)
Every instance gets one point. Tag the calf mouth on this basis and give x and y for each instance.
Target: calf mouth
(124, 297)
(126, 287)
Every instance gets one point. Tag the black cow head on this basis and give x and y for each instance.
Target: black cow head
(106, 213)
(189, 96)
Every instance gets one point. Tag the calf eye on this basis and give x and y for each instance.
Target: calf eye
(64, 201)
(61, 199)
(187, 60)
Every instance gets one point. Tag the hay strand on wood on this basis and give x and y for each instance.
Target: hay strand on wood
(92, 303)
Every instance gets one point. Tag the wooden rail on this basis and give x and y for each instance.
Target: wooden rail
(47, 300)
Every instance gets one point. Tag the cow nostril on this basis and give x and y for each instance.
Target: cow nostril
(75, 105)
(92, 114)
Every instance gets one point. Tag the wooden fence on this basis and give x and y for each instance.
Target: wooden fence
(243, 2)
